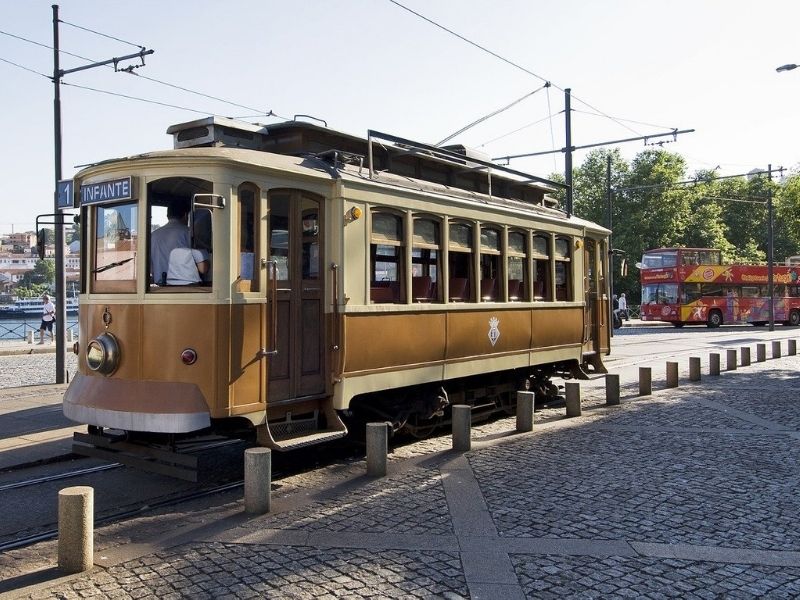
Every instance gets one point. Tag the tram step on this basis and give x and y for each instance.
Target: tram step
(298, 433)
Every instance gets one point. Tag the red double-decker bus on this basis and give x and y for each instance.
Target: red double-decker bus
(692, 286)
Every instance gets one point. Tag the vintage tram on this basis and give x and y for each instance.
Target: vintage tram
(373, 278)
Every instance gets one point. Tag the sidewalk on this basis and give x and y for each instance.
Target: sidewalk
(690, 492)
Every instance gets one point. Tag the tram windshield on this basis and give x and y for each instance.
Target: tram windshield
(116, 248)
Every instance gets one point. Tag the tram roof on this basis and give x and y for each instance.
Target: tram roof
(317, 167)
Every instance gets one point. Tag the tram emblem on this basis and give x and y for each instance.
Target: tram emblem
(494, 331)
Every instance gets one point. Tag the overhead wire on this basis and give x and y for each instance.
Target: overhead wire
(517, 130)
(506, 60)
(595, 114)
(492, 114)
(105, 35)
(11, 62)
(91, 89)
(261, 113)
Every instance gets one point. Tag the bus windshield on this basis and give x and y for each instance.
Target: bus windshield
(657, 260)
(660, 293)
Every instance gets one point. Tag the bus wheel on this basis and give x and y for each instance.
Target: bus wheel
(794, 318)
(678, 325)
(714, 319)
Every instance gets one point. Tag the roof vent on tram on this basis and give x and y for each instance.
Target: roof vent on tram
(217, 131)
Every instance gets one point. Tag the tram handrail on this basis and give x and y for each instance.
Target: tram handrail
(273, 291)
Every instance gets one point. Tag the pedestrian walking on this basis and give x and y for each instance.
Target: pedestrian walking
(623, 307)
(48, 317)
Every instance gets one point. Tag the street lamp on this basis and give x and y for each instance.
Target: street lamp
(789, 67)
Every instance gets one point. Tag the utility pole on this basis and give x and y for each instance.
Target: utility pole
(60, 299)
(568, 149)
(60, 295)
(610, 221)
(770, 253)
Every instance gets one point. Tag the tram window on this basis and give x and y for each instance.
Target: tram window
(311, 230)
(279, 233)
(248, 236)
(386, 258)
(517, 266)
(541, 268)
(180, 249)
(460, 263)
(490, 264)
(563, 269)
(425, 261)
(116, 248)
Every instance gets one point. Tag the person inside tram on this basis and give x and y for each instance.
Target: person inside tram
(187, 266)
(174, 234)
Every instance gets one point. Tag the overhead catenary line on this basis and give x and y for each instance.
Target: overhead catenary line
(492, 114)
(697, 180)
(128, 97)
(505, 60)
(105, 35)
(24, 68)
(517, 130)
(268, 113)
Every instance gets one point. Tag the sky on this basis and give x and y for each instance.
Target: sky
(634, 68)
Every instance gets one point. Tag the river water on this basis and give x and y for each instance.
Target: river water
(17, 329)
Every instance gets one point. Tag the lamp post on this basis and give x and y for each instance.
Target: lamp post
(789, 67)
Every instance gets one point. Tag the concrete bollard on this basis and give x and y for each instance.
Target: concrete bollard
(573, 397)
(612, 389)
(672, 374)
(76, 529)
(525, 411)
(70, 336)
(462, 426)
(745, 355)
(731, 362)
(30, 336)
(761, 352)
(713, 363)
(792, 350)
(257, 480)
(694, 368)
(645, 381)
(776, 349)
(377, 449)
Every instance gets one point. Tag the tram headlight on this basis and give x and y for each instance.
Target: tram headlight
(102, 354)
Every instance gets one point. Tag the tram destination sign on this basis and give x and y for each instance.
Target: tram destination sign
(106, 191)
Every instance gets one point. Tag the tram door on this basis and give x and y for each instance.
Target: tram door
(295, 240)
(590, 287)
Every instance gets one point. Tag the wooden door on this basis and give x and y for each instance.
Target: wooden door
(296, 244)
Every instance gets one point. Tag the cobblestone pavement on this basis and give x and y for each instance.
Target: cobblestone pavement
(32, 369)
(688, 493)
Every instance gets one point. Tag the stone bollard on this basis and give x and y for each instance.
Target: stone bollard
(377, 449)
(70, 336)
(645, 381)
(713, 363)
(462, 425)
(612, 389)
(573, 398)
(745, 355)
(525, 411)
(776, 349)
(731, 362)
(792, 350)
(76, 529)
(30, 336)
(694, 368)
(761, 352)
(257, 480)
(672, 374)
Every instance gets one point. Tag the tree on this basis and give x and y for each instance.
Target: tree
(44, 272)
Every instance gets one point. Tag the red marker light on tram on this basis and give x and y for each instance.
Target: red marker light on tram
(189, 356)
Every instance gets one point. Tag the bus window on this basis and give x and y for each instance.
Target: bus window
(541, 268)
(115, 248)
(657, 260)
(691, 292)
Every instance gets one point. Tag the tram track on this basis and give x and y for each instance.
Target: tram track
(57, 477)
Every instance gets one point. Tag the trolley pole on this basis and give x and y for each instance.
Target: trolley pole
(60, 295)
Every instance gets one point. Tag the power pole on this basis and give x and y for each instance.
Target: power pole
(610, 220)
(770, 254)
(60, 293)
(568, 149)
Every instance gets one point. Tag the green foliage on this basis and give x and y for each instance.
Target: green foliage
(43, 274)
(34, 290)
(653, 206)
